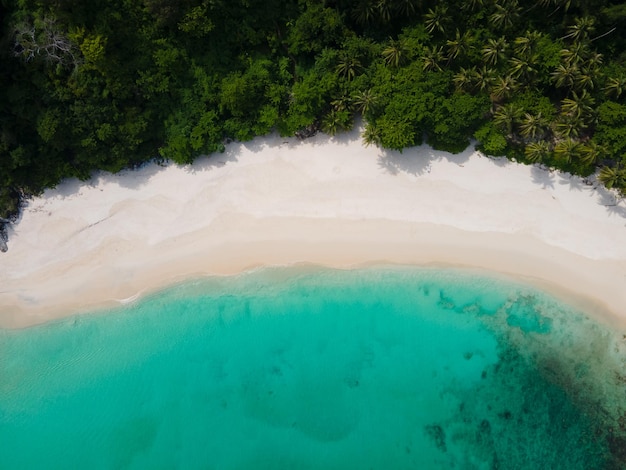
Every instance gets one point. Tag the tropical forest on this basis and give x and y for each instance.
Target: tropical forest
(90, 85)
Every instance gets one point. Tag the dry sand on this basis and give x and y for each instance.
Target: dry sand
(333, 202)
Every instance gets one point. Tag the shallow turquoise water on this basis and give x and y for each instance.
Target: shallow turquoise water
(318, 369)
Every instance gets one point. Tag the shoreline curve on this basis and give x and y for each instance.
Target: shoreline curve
(323, 201)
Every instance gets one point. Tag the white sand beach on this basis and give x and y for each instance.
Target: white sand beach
(326, 201)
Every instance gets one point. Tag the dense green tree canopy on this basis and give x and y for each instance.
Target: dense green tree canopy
(98, 84)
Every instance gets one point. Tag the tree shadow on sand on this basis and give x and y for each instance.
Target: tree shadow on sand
(542, 177)
(575, 183)
(612, 202)
(136, 178)
(418, 160)
(212, 161)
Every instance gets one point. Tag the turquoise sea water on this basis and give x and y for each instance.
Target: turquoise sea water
(385, 368)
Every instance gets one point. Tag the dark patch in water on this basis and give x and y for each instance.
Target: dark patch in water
(445, 302)
(524, 314)
(438, 435)
(352, 383)
(507, 415)
(484, 432)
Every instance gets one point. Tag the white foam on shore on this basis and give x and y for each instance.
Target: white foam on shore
(330, 201)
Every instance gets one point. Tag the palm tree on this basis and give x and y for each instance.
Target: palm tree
(525, 46)
(395, 54)
(577, 53)
(565, 75)
(371, 135)
(558, 3)
(581, 29)
(504, 87)
(432, 57)
(365, 12)
(437, 19)
(569, 126)
(612, 176)
(535, 152)
(506, 116)
(591, 152)
(364, 101)
(465, 79)
(594, 60)
(407, 7)
(485, 77)
(472, 5)
(615, 86)
(567, 149)
(565, 4)
(335, 120)
(495, 50)
(505, 15)
(578, 105)
(522, 67)
(384, 10)
(343, 103)
(532, 126)
(348, 66)
(460, 45)
(331, 123)
(585, 80)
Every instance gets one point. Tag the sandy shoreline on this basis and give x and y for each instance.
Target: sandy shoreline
(324, 201)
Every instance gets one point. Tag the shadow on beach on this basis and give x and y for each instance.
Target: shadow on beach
(418, 160)
(414, 161)
(542, 177)
(575, 183)
(613, 204)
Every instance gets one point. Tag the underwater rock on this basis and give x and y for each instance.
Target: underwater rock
(438, 435)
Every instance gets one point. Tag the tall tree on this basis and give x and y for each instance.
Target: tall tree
(365, 101)
(506, 14)
(613, 177)
(522, 68)
(526, 45)
(591, 152)
(437, 19)
(365, 12)
(396, 53)
(581, 29)
(506, 117)
(371, 135)
(485, 78)
(578, 105)
(567, 150)
(568, 126)
(433, 58)
(495, 50)
(348, 66)
(533, 126)
(565, 75)
(615, 86)
(536, 152)
(465, 79)
(460, 45)
(504, 87)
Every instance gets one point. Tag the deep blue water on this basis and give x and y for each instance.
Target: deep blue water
(384, 368)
